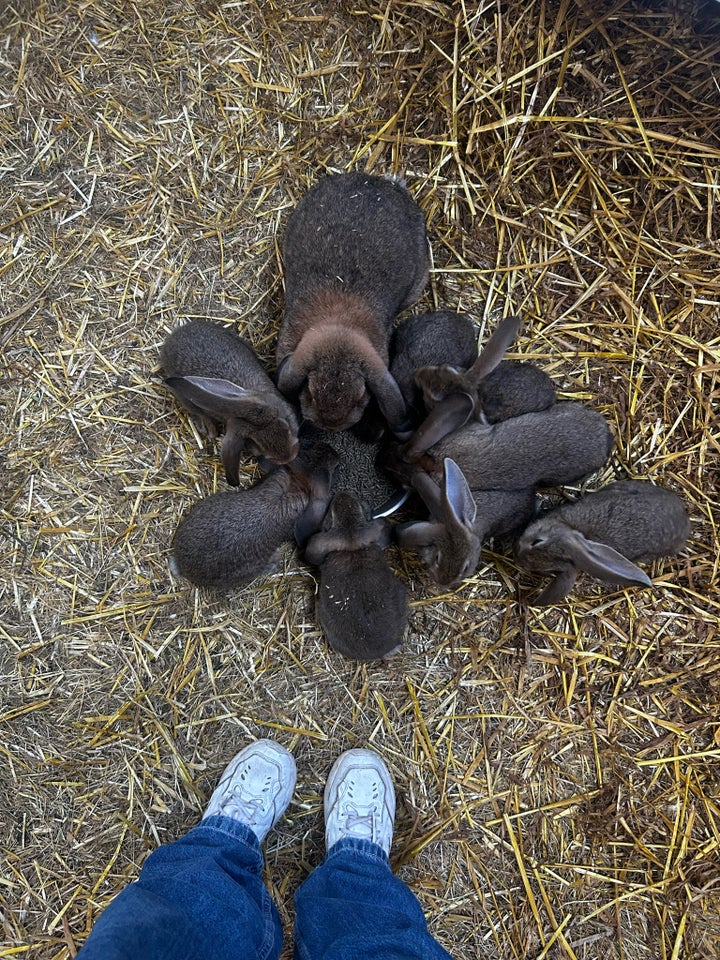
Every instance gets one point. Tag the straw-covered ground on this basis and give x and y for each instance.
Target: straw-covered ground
(556, 768)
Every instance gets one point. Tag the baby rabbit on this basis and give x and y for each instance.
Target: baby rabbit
(216, 375)
(601, 533)
(489, 391)
(361, 604)
(555, 446)
(229, 539)
(355, 255)
(428, 340)
(450, 543)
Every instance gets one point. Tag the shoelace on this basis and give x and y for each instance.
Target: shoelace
(243, 808)
(360, 824)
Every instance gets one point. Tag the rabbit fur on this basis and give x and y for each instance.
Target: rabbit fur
(601, 533)
(229, 539)
(559, 445)
(361, 605)
(430, 340)
(217, 376)
(355, 254)
(450, 542)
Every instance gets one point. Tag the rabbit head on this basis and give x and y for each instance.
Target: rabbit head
(335, 370)
(347, 527)
(548, 545)
(448, 544)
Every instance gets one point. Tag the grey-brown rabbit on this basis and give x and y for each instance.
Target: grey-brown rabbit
(361, 605)
(355, 254)
(601, 533)
(490, 390)
(217, 376)
(560, 445)
(461, 519)
(229, 539)
(435, 339)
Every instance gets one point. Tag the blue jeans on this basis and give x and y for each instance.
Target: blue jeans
(202, 898)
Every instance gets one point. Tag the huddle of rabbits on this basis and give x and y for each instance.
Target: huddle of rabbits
(472, 434)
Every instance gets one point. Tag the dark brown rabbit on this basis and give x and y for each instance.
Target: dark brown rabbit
(453, 396)
(361, 605)
(450, 542)
(355, 255)
(560, 445)
(430, 340)
(216, 375)
(602, 533)
(229, 539)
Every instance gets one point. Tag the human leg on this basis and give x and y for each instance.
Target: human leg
(353, 906)
(202, 896)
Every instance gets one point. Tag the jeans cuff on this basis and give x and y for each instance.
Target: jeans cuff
(364, 848)
(237, 830)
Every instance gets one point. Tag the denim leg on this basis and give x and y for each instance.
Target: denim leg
(199, 898)
(353, 906)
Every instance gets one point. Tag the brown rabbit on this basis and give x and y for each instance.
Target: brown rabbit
(560, 445)
(216, 375)
(430, 340)
(602, 533)
(355, 255)
(361, 605)
(450, 543)
(453, 396)
(229, 539)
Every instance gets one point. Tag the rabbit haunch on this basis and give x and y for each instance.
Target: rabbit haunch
(228, 539)
(355, 254)
(217, 376)
(602, 533)
(361, 605)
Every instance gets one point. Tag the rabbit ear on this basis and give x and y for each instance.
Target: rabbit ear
(390, 400)
(233, 444)
(495, 349)
(206, 391)
(557, 589)
(316, 550)
(414, 536)
(457, 499)
(430, 493)
(449, 415)
(290, 374)
(605, 563)
(310, 520)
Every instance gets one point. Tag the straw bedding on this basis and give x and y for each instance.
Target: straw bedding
(556, 769)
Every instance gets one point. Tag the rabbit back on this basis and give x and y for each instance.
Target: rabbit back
(513, 388)
(560, 445)
(355, 233)
(205, 349)
(361, 605)
(229, 539)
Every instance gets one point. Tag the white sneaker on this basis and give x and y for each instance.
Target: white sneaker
(256, 787)
(359, 800)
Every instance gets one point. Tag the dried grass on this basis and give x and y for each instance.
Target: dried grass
(557, 769)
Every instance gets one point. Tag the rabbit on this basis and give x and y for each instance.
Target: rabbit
(355, 255)
(229, 539)
(216, 375)
(427, 340)
(450, 543)
(513, 388)
(361, 605)
(559, 445)
(492, 389)
(601, 534)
